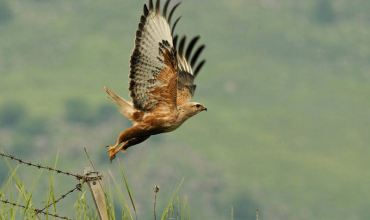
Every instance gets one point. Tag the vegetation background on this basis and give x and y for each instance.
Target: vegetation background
(286, 85)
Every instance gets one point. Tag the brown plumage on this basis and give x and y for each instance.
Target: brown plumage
(161, 82)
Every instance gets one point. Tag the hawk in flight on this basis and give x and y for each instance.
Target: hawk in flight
(162, 77)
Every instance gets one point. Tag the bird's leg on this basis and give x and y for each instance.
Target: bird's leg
(127, 144)
(133, 142)
(125, 136)
(113, 151)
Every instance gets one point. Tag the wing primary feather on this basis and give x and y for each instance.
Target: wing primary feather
(165, 8)
(199, 67)
(196, 55)
(142, 19)
(139, 34)
(174, 25)
(171, 13)
(157, 7)
(174, 41)
(151, 5)
(181, 46)
(140, 27)
(190, 47)
(148, 60)
(146, 11)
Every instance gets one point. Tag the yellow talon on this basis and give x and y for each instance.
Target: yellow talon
(110, 148)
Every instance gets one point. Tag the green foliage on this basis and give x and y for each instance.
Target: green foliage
(126, 213)
(33, 126)
(128, 188)
(5, 11)
(22, 145)
(10, 211)
(106, 112)
(78, 111)
(244, 207)
(173, 210)
(11, 114)
(83, 210)
(324, 11)
(176, 210)
(51, 196)
(169, 208)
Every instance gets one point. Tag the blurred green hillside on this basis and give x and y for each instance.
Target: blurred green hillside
(286, 85)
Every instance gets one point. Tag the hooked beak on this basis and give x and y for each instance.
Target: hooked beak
(204, 108)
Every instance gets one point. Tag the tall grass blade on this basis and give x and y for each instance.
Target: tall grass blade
(3, 188)
(111, 213)
(128, 188)
(170, 202)
(187, 211)
(51, 183)
(121, 196)
(178, 207)
(29, 198)
(19, 184)
(184, 207)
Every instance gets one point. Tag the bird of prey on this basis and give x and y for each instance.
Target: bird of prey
(161, 79)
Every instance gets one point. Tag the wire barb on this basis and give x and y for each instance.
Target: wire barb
(37, 211)
(78, 187)
(84, 178)
(79, 177)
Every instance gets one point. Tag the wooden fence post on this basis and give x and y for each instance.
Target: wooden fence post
(97, 193)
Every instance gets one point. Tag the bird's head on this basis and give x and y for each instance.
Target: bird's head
(190, 109)
(198, 107)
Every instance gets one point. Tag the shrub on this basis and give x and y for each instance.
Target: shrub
(106, 112)
(77, 110)
(11, 114)
(5, 11)
(324, 11)
(33, 126)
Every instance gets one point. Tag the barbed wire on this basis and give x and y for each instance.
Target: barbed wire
(35, 210)
(78, 187)
(39, 166)
(84, 178)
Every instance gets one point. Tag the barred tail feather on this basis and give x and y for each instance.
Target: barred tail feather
(126, 107)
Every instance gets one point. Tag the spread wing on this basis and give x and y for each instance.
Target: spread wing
(153, 63)
(185, 65)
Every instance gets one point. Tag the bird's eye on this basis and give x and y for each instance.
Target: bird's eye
(198, 106)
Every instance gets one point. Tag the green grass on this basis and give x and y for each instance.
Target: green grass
(83, 210)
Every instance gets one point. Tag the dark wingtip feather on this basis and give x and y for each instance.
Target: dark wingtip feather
(174, 41)
(142, 19)
(140, 27)
(139, 33)
(165, 8)
(173, 9)
(199, 67)
(146, 11)
(191, 46)
(151, 5)
(181, 46)
(174, 26)
(157, 7)
(196, 55)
